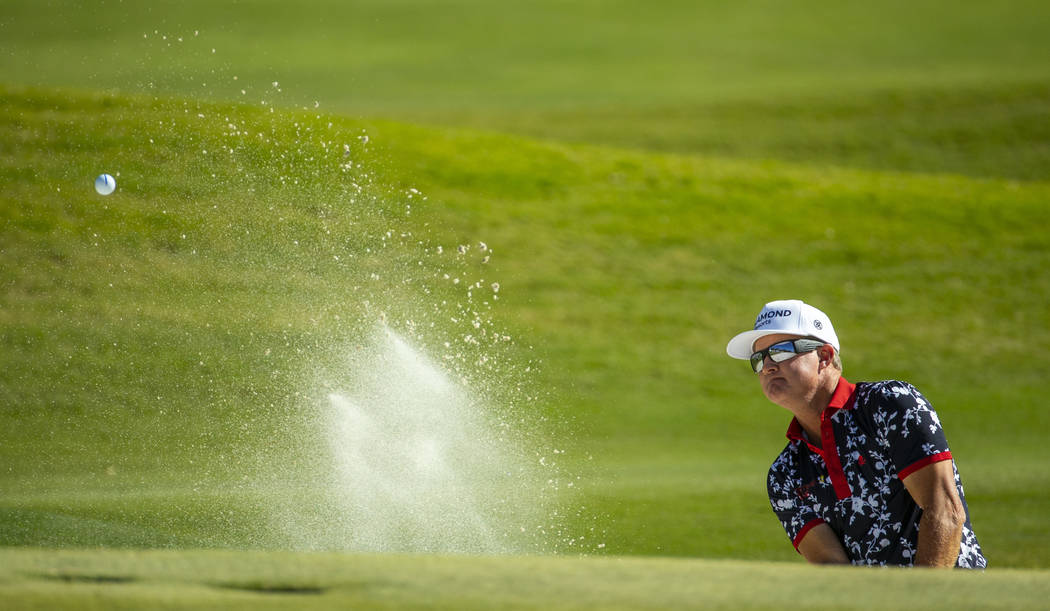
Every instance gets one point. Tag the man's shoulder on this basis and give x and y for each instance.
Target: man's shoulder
(886, 392)
(891, 407)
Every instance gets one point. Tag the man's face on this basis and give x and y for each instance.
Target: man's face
(790, 381)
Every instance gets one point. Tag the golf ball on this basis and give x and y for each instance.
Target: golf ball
(105, 184)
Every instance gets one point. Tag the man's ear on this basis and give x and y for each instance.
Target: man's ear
(826, 354)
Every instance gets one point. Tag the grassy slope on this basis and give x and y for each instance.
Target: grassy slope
(157, 343)
(993, 130)
(662, 253)
(33, 579)
(151, 347)
(945, 86)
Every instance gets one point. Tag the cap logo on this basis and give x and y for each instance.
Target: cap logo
(767, 317)
(774, 314)
(818, 325)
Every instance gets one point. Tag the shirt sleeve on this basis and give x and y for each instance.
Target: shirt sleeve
(911, 429)
(784, 485)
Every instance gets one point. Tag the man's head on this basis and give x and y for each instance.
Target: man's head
(788, 316)
(794, 350)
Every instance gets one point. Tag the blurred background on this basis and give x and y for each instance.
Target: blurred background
(646, 176)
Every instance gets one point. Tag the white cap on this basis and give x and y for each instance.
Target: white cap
(789, 316)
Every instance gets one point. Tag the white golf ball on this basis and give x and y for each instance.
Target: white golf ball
(105, 184)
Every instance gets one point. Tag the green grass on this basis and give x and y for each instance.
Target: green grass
(940, 87)
(465, 53)
(35, 579)
(646, 179)
(166, 375)
(993, 130)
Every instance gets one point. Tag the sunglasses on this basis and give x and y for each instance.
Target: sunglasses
(783, 351)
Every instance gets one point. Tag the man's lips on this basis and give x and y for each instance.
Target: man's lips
(777, 380)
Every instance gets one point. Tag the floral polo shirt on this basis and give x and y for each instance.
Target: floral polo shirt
(873, 435)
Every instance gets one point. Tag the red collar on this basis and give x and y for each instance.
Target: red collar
(842, 398)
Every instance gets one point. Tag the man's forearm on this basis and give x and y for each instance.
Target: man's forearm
(940, 534)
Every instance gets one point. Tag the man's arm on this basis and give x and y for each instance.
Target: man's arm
(943, 516)
(822, 546)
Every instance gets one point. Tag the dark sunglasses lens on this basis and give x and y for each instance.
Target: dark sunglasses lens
(777, 352)
(782, 351)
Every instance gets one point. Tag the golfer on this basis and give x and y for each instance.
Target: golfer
(866, 477)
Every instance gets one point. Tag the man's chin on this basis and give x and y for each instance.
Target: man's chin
(775, 389)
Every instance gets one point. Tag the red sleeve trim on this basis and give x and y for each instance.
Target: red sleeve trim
(805, 530)
(929, 460)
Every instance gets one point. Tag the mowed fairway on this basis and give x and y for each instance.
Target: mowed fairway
(32, 579)
(940, 86)
(163, 350)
